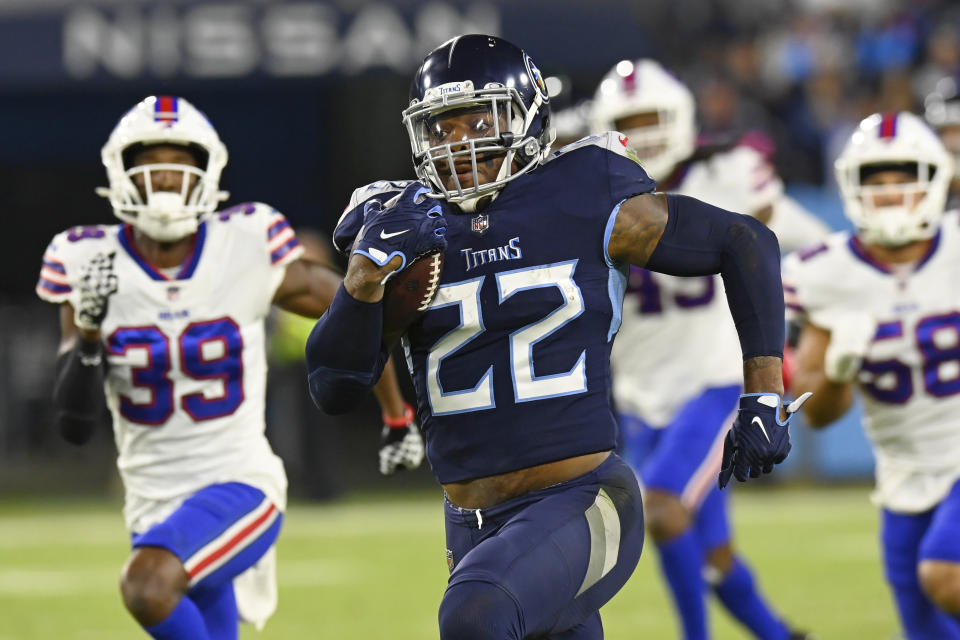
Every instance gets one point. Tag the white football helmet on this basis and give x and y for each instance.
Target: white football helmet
(895, 138)
(163, 215)
(643, 86)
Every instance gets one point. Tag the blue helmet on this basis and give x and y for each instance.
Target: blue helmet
(479, 71)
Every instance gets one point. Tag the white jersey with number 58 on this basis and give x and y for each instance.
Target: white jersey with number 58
(910, 379)
(677, 337)
(185, 351)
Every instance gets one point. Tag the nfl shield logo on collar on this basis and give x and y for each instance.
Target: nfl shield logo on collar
(480, 224)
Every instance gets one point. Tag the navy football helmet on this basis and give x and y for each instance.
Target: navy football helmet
(478, 72)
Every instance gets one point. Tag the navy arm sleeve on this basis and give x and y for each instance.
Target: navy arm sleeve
(701, 239)
(345, 355)
(78, 391)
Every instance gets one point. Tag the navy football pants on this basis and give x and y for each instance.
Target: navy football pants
(542, 565)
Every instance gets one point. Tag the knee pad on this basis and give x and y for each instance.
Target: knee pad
(479, 611)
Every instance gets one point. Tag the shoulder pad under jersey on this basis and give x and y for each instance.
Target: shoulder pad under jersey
(351, 220)
(809, 276)
(266, 227)
(66, 255)
(612, 141)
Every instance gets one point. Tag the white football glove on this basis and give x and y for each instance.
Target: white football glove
(97, 283)
(850, 336)
(401, 445)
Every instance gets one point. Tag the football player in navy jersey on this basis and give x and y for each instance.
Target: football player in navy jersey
(511, 359)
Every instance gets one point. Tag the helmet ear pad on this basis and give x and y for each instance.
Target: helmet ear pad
(531, 152)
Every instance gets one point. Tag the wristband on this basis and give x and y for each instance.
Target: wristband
(402, 422)
(90, 352)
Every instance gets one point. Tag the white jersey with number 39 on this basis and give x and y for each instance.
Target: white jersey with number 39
(910, 378)
(185, 351)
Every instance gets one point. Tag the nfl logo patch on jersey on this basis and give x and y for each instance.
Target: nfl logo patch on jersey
(480, 224)
(173, 293)
(450, 560)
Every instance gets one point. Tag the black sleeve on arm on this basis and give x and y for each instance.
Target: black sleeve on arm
(700, 239)
(345, 355)
(78, 390)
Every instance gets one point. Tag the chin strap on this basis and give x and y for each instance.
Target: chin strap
(472, 205)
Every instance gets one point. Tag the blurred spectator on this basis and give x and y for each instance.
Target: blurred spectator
(894, 43)
(943, 59)
(942, 112)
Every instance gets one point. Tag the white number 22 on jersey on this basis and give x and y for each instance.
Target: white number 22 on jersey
(527, 385)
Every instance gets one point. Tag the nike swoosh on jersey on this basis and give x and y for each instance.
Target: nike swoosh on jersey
(386, 236)
(762, 428)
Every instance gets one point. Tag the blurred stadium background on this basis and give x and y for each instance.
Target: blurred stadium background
(307, 97)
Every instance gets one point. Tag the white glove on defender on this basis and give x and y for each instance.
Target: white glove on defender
(401, 445)
(850, 336)
(97, 283)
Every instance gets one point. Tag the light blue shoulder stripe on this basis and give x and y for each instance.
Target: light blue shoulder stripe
(617, 278)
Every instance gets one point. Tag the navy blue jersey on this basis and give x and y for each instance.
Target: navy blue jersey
(511, 361)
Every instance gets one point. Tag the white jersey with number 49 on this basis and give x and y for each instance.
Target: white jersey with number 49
(185, 351)
(910, 378)
(677, 337)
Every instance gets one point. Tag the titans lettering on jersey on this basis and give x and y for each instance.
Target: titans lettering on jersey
(476, 257)
(187, 368)
(511, 360)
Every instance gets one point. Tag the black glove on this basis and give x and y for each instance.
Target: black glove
(401, 445)
(758, 439)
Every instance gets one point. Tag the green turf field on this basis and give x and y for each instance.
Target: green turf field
(373, 567)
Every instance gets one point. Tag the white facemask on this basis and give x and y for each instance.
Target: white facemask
(165, 219)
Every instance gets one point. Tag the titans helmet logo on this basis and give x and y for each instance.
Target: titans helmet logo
(537, 78)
